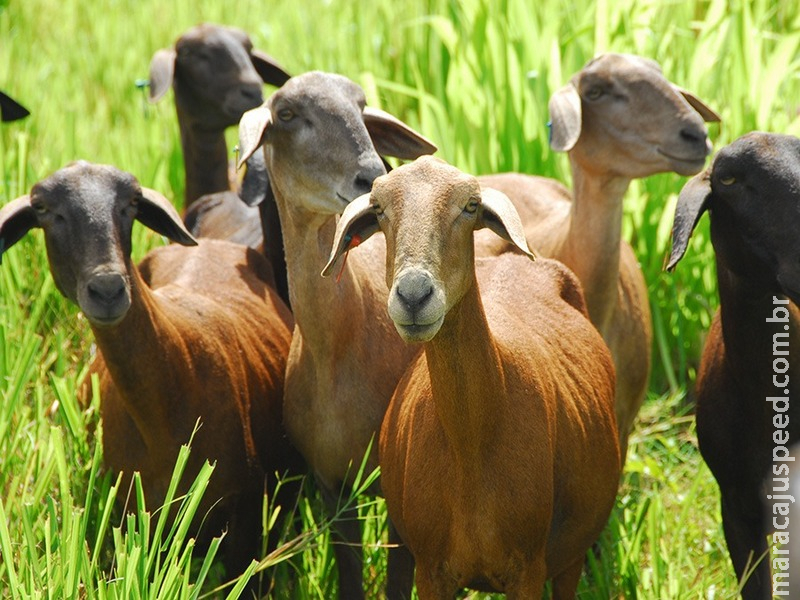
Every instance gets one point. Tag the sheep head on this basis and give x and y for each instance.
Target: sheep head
(86, 212)
(620, 115)
(216, 73)
(752, 190)
(322, 143)
(428, 211)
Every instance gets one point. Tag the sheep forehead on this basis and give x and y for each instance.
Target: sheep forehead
(87, 187)
(420, 195)
(213, 36)
(623, 70)
(323, 89)
(768, 157)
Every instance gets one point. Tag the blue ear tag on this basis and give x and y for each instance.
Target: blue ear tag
(549, 133)
(143, 84)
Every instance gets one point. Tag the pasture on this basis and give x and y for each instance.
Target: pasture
(472, 75)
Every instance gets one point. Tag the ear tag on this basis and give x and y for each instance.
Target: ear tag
(352, 242)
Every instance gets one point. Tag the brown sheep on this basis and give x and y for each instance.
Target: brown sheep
(499, 454)
(619, 119)
(197, 334)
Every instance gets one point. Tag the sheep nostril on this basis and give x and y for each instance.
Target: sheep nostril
(693, 136)
(106, 288)
(415, 292)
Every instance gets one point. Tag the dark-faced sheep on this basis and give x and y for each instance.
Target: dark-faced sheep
(196, 334)
(748, 411)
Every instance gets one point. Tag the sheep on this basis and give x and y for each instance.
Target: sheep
(11, 110)
(619, 119)
(499, 454)
(747, 411)
(217, 76)
(196, 333)
(344, 360)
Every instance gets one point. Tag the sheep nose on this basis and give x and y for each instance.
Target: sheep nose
(367, 175)
(414, 290)
(106, 288)
(695, 136)
(251, 94)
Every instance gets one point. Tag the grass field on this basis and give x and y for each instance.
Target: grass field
(473, 75)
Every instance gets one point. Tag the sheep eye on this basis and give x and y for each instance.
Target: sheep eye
(135, 201)
(727, 180)
(594, 93)
(285, 114)
(39, 208)
(377, 209)
(472, 206)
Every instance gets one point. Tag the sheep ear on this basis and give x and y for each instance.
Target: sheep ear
(357, 223)
(255, 183)
(252, 128)
(162, 69)
(565, 118)
(16, 219)
(709, 116)
(392, 137)
(11, 110)
(498, 214)
(268, 68)
(692, 203)
(157, 213)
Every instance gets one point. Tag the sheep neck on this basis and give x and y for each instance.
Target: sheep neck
(591, 247)
(467, 379)
(744, 308)
(141, 387)
(205, 159)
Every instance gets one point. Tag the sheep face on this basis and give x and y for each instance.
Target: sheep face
(86, 212)
(214, 71)
(752, 190)
(619, 115)
(428, 211)
(317, 148)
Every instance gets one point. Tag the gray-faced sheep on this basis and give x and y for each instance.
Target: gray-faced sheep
(748, 412)
(197, 334)
(345, 358)
(620, 119)
(499, 454)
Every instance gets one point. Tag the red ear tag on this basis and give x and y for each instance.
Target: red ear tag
(352, 243)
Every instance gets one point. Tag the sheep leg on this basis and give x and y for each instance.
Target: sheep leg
(747, 545)
(346, 537)
(565, 584)
(433, 585)
(400, 570)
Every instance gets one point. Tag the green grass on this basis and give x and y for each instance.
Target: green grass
(473, 75)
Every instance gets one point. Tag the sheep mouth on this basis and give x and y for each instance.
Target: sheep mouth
(419, 332)
(684, 165)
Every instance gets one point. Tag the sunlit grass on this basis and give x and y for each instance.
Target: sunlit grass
(473, 75)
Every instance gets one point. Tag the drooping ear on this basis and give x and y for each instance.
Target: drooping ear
(16, 219)
(692, 203)
(157, 213)
(268, 68)
(392, 137)
(255, 183)
(565, 118)
(357, 223)
(709, 115)
(162, 70)
(11, 110)
(252, 127)
(499, 215)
